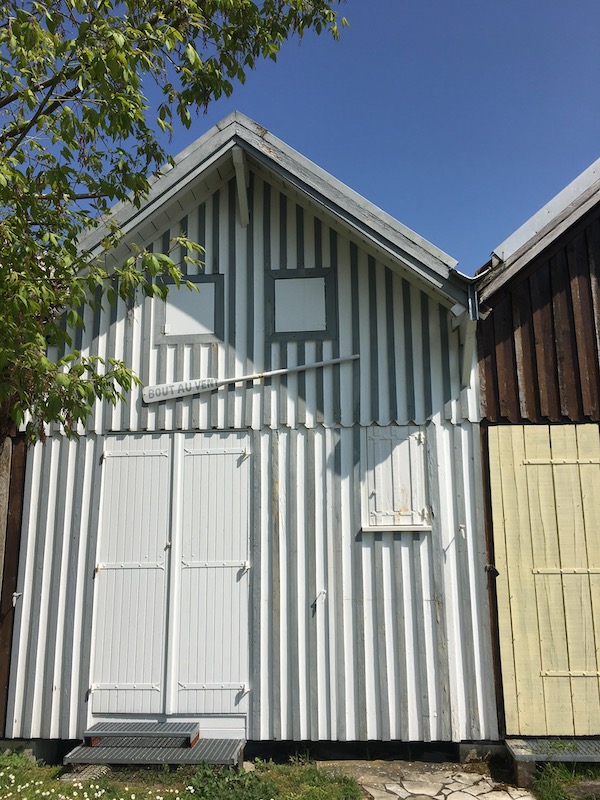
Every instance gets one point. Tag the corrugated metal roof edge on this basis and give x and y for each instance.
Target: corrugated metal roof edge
(435, 266)
(540, 230)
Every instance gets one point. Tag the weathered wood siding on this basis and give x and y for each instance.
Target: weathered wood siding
(12, 479)
(353, 635)
(409, 350)
(359, 629)
(540, 345)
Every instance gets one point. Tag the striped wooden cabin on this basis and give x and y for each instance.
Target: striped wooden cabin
(291, 557)
(539, 348)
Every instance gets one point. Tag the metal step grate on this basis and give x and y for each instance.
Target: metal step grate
(138, 741)
(554, 749)
(211, 751)
(104, 730)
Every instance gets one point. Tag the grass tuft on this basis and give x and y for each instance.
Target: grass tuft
(23, 779)
(555, 781)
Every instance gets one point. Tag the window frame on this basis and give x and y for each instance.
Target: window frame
(218, 280)
(330, 331)
(419, 432)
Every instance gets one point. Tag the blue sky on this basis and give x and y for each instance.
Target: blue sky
(461, 118)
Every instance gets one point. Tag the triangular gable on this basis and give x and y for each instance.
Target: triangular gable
(541, 230)
(236, 142)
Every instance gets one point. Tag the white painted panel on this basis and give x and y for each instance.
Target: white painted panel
(212, 649)
(300, 304)
(426, 677)
(189, 312)
(394, 483)
(131, 576)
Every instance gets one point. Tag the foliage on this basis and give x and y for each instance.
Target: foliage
(224, 783)
(77, 133)
(22, 779)
(554, 780)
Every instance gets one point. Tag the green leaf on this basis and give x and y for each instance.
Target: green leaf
(96, 140)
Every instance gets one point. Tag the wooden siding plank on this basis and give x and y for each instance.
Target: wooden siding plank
(313, 543)
(325, 638)
(575, 588)
(400, 348)
(231, 258)
(250, 302)
(420, 655)
(268, 392)
(544, 337)
(399, 634)
(16, 488)
(384, 665)
(334, 382)
(293, 590)
(487, 370)
(583, 323)
(418, 355)
(556, 316)
(382, 354)
(505, 360)
(444, 344)
(336, 595)
(564, 341)
(593, 243)
(409, 378)
(548, 594)
(354, 327)
(526, 367)
(462, 565)
(362, 321)
(391, 352)
(439, 593)
(358, 583)
(369, 284)
(277, 536)
(531, 718)
(426, 357)
(258, 559)
(588, 445)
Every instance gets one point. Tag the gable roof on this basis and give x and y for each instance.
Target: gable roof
(541, 230)
(261, 148)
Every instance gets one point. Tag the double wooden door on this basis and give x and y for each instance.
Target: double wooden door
(170, 631)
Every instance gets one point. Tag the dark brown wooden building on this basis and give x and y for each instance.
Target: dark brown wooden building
(539, 352)
(12, 480)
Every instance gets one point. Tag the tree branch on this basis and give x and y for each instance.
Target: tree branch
(40, 87)
(21, 131)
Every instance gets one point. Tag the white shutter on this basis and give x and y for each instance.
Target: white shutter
(394, 478)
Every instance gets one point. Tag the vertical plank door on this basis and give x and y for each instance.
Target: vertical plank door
(211, 589)
(545, 488)
(130, 581)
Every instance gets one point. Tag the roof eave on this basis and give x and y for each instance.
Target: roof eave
(432, 265)
(545, 227)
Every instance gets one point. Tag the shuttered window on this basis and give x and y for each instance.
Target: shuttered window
(394, 481)
(190, 316)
